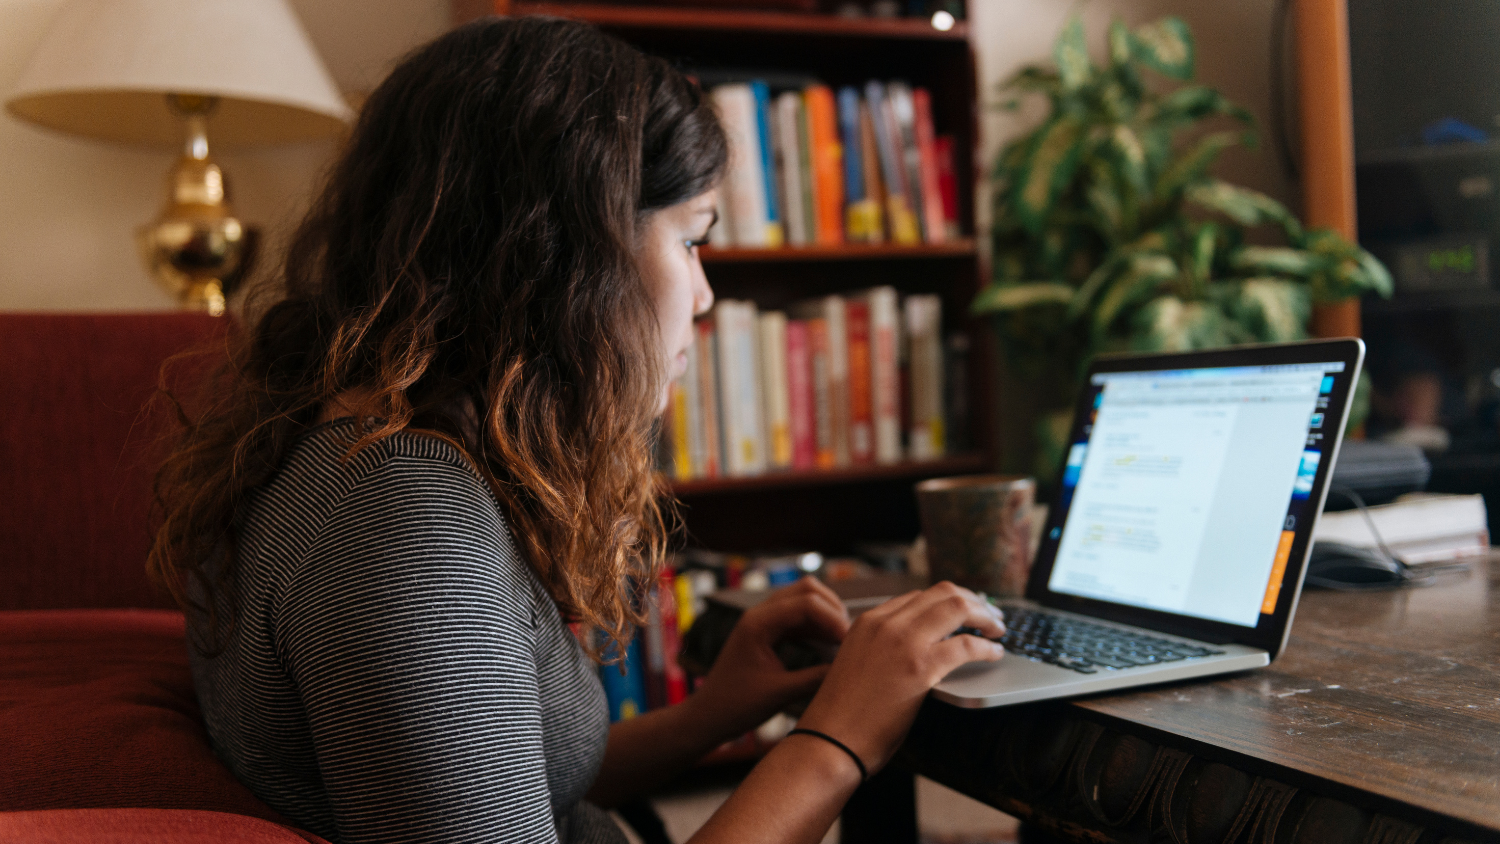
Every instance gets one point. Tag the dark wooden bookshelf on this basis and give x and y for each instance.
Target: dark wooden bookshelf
(831, 510)
(962, 248)
(907, 469)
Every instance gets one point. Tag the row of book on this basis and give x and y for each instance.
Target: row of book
(811, 167)
(834, 381)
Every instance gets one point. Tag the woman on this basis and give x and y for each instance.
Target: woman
(435, 448)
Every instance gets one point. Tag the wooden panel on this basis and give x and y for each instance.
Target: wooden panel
(1327, 119)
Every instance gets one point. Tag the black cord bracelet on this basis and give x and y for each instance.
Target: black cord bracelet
(864, 772)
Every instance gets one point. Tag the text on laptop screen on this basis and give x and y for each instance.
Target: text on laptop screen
(1184, 488)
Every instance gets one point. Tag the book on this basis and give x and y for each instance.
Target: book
(800, 399)
(827, 164)
(739, 388)
(901, 222)
(776, 400)
(665, 644)
(861, 410)
(885, 376)
(861, 212)
(744, 186)
(680, 429)
(1419, 528)
(624, 682)
(830, 309)
(903, 113)
(775, 233)
(706, 352)
(822, 391)
(923, 323)
(933, 225)
(789, 165)
(942, 147)
(805, 165)
(869, 159)
(692, 416)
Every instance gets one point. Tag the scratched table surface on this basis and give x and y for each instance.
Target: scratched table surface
(1392, 693)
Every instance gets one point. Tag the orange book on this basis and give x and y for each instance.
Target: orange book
(827, 163)
(861, 407)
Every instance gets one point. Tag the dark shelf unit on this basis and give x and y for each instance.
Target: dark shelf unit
(829, 510)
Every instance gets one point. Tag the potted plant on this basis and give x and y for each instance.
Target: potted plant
(1111, 233)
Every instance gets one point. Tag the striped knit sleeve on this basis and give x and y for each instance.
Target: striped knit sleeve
(408, 631)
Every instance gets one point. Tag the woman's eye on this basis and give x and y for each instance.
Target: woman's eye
(693, 243)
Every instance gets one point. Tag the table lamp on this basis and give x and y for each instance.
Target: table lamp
(170, 72)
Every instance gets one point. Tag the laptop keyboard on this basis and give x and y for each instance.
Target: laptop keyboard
(1086, 647)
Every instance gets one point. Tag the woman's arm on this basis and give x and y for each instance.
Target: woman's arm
(746, 686)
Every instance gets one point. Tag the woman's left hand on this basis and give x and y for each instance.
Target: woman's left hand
(748, 684)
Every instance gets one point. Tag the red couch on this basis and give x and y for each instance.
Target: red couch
(102, 737)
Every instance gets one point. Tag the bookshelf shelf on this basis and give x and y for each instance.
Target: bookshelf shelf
(962, 248)
(668, 18)
(909, 469)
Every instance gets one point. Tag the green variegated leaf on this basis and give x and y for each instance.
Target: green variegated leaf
(1143, 274)
(1244, 206)
(1277, 260)
(1120, 46)
(1192, 166)
(1273, 309)
(1165, 46)
(1104, 199)
(1010, 297)
(1034, 78)
(1072, 56)
(1205, 241)
(1130, 155)
(1189, 105)
(1168, 324)
(1376, 276)
(1049, 167)
(1152, 243)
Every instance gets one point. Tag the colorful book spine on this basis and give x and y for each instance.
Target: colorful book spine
(827, 163)
(805, 159)
(673, 678)
(800, 399)
(789, 166)
(900, 218)
(861, 409)
(904, 115)
(681, 430)
(775, 234)
(923, 317)
(706, 350)
(831, 310)
(869, 159)
(885, 374)
(744, 185)
(861, 212)
(817, 347)
(739, 388)
(775, 392)
(624, 682)
(934, 226)
(942, 147)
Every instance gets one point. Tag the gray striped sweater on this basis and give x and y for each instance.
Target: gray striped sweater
(397, 673)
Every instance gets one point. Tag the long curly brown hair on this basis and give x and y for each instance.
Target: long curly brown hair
(468, 270)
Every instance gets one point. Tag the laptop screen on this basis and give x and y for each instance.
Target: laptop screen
(1183, 490)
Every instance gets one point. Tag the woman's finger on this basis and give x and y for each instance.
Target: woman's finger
(807, 612)
(958, 650)
(945, 608)
(804, 681)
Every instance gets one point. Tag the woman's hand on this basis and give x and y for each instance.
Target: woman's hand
(892, 656)
(748, 684)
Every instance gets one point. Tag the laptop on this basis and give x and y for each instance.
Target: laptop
(1177, 540)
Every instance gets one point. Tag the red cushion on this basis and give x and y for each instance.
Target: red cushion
(76, 452)
(98, 711)
(144, 826)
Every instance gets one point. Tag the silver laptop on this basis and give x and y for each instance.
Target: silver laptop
(1177, 540)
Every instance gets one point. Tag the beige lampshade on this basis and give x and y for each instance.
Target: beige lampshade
(104, 67)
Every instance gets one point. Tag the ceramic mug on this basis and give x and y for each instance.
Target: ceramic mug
(978, 531)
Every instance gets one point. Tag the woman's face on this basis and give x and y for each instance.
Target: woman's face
(668, 260)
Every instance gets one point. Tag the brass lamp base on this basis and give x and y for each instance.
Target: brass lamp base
(196, 248)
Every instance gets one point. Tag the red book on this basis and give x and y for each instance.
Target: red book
(673, 679)
(861, 408)
(942, 145)
(932, 199)
(823, 422)
(800, 386)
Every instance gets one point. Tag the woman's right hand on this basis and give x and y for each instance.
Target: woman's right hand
(892, 656)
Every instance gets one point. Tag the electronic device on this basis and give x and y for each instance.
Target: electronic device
(1334, 565)
(1181, 525)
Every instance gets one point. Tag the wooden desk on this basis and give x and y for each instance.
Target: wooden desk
(1380, 724)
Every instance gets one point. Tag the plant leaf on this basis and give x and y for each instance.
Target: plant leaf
(1011, 296)
(1273, 309)
(1048, 169)
(1144, 273)
(1192, 166)
(1165, 46)
(1244, 206)
(1277, 260)
(1072, 56)
(1167, 323)
(1120, 46)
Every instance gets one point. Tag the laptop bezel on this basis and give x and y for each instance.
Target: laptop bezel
(1271, 632)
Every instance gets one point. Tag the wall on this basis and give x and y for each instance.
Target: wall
(69, 207)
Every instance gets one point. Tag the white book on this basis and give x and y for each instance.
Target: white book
(739, 388)
(788, 134)
(1419, 528)
(831, 310)
(885, 371)
(776, 404)
(744, 183)
(697, 445)
(924, 320)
